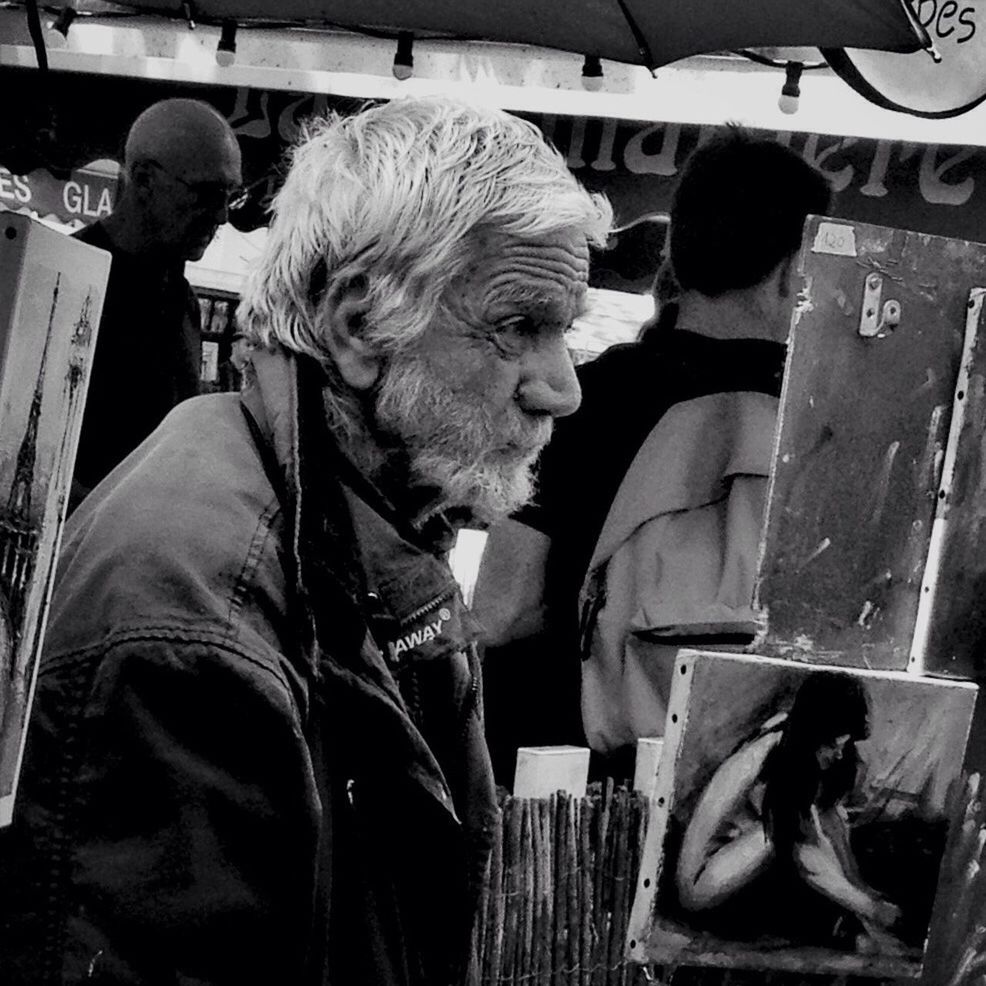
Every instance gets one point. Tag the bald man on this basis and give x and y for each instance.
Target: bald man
(181, 168)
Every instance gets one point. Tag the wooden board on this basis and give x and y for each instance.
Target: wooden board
(728, 716)
(863, 430)
(49, 312)
(951, 628)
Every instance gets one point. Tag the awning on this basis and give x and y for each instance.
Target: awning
(641, 32)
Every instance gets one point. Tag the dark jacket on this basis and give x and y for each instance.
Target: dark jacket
(256, 752)
(147, 358)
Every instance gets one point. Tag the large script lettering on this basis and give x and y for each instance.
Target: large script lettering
(895, 183)
(663, 162)
(934, 188)
(947, 19)
(656, 151)
(814, 154)
(872, 169)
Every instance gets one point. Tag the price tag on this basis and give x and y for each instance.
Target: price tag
(835, 238)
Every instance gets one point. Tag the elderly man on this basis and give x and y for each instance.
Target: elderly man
(181, 167)
(257, 752)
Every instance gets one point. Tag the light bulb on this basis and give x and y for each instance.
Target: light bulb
(791, 90)
(403, 67)
(226, 49)
(787, 104)
(592, 73)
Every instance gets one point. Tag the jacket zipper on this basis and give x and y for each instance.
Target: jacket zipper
(471, 699)
(427, 608)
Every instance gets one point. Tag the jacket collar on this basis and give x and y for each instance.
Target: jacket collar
(418, 612)
(405, 588)
(270, 395)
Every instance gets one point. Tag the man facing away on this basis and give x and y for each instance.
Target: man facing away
(181, 166)
(647, 464)
(257, 750)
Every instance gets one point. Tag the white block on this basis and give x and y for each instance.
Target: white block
(645, 769)
(543, 770)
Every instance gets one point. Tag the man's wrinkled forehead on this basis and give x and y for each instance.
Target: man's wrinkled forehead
(558, 262)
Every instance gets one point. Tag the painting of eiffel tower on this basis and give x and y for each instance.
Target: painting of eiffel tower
(19, 526)
(47, 333)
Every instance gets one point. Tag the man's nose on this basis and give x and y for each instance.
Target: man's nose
(549, 384)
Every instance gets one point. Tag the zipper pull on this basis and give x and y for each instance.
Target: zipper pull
(383, 627)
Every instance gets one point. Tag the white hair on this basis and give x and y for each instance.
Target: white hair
(389, 198)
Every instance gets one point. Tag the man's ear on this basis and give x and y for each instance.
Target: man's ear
(344, 325)
(140, 176)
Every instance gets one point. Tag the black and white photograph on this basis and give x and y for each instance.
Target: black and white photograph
(492, 493)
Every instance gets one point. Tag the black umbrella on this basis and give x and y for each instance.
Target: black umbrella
(642, 32)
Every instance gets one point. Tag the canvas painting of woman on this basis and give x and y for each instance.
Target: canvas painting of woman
(799, 818)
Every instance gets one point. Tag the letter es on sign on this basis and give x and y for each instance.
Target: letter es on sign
(946, 19)
(14, 188)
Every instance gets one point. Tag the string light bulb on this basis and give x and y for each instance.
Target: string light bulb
(790, 95)
(226, 49)
(403, 67)
(592, 73)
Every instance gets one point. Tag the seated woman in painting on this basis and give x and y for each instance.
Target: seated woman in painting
(767, 852)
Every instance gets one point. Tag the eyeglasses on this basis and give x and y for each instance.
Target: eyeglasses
(210, 193)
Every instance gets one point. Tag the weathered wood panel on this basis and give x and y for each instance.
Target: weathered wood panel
(952, 620)
(863, 430)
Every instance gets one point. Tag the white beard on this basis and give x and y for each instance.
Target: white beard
(453, 444)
